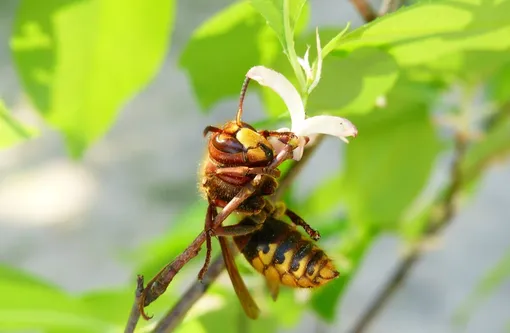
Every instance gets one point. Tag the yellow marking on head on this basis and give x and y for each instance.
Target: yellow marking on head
(249, 138)
(272, 274)
(267, 258)
(258, 265)
(289, 280)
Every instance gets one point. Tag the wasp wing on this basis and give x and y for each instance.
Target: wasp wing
(247, 302)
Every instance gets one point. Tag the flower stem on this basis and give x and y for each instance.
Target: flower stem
(290, 51)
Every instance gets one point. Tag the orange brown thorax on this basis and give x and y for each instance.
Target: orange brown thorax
(236, 153)
(241, 145)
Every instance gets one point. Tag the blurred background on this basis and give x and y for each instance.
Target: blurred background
(77, 223)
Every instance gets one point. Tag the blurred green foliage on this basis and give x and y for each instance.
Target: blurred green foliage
(80, 61)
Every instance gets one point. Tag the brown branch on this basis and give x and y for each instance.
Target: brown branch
(435, 225)
(134, 315)
(158, 285)
(365, 10)
(175, 316)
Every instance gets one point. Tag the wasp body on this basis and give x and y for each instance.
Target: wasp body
(284, 256)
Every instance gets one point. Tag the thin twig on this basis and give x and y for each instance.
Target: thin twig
(435, 225)
(365, 10)
(134, 316)
(158, 285)
(175, 316)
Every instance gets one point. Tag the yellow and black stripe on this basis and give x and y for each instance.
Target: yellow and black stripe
(281, 253)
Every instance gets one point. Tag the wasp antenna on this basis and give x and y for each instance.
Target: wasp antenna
(241, 101)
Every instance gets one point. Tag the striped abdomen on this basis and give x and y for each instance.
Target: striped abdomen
(281, 253)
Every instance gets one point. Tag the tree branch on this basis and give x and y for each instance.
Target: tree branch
(134, 315)
(435, 225)
(175, 316)
(365, 10)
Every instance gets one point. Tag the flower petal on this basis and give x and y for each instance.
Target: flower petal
(331, 125)
(279, 83)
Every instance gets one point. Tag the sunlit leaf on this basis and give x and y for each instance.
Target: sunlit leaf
(409, 37)
(492, 280)
(80, 61)
(11, 131)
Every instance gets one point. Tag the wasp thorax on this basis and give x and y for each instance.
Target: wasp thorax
(240, 145)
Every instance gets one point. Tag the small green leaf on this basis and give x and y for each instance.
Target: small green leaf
(488, 285)
(273, 12)
(459, 25)
(80, 61)
(11, 131)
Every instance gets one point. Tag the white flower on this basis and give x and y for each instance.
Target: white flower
(301, 126)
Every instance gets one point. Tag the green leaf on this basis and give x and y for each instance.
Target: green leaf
(11, 131)
(499, 84)
(459, 25)
(13, 275)
(390, 161)
(488, 285)
(352, 84)
(80, 61)
(273, 12)
(217, 69)
(216, 66)
(30, 306)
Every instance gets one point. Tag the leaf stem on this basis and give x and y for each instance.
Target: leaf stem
(290, 50)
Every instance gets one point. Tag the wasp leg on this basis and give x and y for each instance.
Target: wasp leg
(209, 220)
(241, 229)
(245, 171)
(314, 234)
